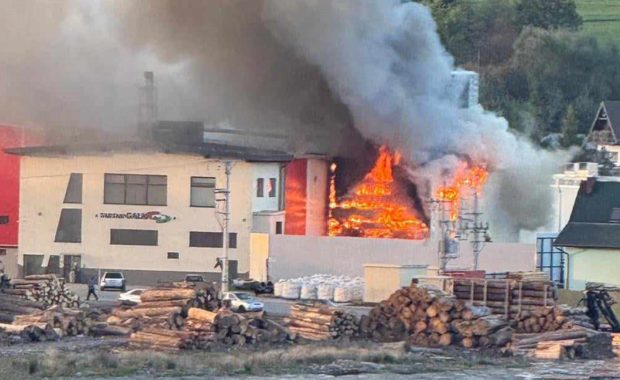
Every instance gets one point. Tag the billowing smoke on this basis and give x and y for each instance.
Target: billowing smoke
(323, 69)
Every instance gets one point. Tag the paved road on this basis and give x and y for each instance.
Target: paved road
(275, 306)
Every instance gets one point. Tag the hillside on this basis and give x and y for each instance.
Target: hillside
(601, 18)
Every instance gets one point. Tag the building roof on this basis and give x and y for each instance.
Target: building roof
(595, 220)
(206, 149)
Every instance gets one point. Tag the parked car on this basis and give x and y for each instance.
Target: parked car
(199, 281)
(133, 295)
(113, 280)
(241, 302)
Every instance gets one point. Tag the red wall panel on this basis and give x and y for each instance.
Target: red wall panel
(11, 137)
(295, 198)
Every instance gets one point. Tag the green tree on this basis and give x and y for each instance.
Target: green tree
(548, 14)
(570, 127)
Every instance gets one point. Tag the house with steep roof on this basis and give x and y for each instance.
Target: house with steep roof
(605, 129)
(592, 236)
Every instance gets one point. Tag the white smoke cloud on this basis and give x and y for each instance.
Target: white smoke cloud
(386, 62)
(294, 66)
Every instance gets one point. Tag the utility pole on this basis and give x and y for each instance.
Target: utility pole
(225, 218)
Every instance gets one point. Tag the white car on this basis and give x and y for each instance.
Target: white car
(113, 280)
(242, 302)
(133, 295)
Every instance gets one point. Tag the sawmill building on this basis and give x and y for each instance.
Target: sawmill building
(149, 208)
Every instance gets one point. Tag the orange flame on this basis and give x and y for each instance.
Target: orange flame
(373, 210)
(472, 177)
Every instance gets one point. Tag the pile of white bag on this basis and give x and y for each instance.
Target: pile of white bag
(321, 287)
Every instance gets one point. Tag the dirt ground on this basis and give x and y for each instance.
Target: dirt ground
(81, 358)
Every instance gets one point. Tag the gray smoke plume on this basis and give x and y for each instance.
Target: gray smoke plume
(303, 67)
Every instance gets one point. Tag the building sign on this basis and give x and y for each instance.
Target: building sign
(157, 216)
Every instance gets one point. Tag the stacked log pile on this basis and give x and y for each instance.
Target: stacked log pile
(163, 308)
(204, 328)
(10, 306)
(575, 343)
(67, 322)
(32, 332)
(318, 321)
(507, 297)
(549, 319)
(429, 318)
(47, 289)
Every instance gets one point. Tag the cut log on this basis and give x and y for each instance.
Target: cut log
(153, 295)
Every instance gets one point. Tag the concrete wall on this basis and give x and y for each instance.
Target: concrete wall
(259, 248)
(295, 256)
(9, 260)
(265, 171)
(44, 181)
(592, 265)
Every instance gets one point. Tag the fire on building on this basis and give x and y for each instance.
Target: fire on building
(380, 207)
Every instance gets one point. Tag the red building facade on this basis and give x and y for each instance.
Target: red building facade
(9, 182)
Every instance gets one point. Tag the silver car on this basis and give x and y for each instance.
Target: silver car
(242, 302)
(113, 280)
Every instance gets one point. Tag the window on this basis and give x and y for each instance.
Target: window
(211, 239)
(173, 255)
(2, 252)
(278, 228)
(203, 192)
(69, 228)
(133, 237)
(260, 187)
(272, 188)
(131, 189)
(74, 189)
(4, 219)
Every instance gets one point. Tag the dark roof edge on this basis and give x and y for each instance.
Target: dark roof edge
(208, 150)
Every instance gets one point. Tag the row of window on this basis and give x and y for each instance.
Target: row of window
(197, 239)
(152, 190)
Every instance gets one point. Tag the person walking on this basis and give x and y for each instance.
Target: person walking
(92, 285)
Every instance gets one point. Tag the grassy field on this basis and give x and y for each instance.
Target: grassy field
(601, 18)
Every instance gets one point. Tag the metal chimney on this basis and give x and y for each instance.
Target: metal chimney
(147, 117)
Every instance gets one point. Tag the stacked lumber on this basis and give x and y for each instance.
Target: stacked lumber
(206, 296)
(563, 344)
(429, 318)
(163, 339)
(163, 308)
(203, 328)
(318, 321)
(521, 276)
(34, 332)
(67, 322)
(235, 329)
(615, 342)
(11, 305)
(508, 297)
(548, 319)
(46, 289)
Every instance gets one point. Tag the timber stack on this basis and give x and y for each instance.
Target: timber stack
(564, 344)
(46, 289)
(163, 308)
(31, 332)
(506, 297)
(549, 319)
(429, 318)
(203, 329)
(318, 321)
(10, 306)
